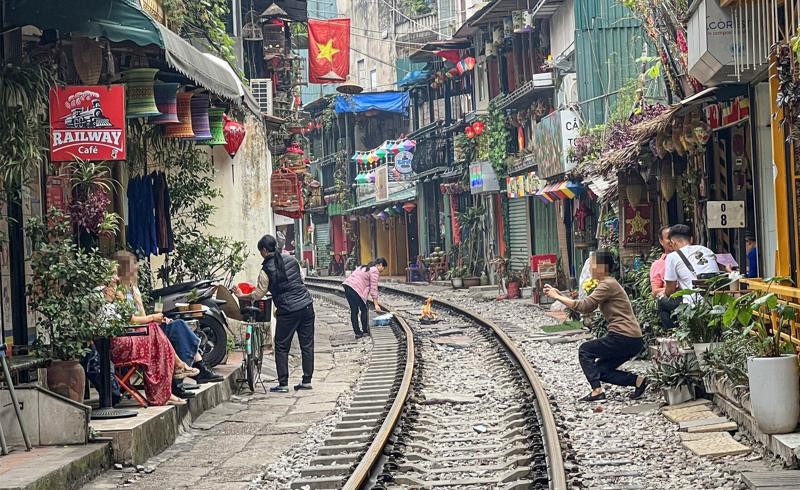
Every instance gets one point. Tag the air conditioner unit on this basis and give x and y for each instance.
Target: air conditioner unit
(262, 92)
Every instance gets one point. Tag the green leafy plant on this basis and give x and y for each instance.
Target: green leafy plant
(728, 360)
(705, 319)
(473, 229)
(63, 290)
(675, 372)
(494, 144)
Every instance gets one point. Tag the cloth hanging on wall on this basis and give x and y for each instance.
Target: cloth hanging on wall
(162, 203)
(149, 224)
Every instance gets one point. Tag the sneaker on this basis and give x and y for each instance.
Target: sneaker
(639, 391)
(359, 336)
(303, 386)
(180, 392)
(279, 389)
(206, 374)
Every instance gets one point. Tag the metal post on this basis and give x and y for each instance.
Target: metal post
(107, 410)
(14, 401)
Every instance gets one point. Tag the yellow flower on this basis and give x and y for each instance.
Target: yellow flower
(589, 285)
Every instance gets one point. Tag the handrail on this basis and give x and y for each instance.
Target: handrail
(785, 296)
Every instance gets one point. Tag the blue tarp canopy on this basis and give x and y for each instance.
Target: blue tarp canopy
(414, 77)
(381, 101)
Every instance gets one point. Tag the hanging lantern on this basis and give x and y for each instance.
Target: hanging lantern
(508, 27)
(217, 126)
(461, 66)
(140, 99)
(166, 95)
(234, 135)
(200, 122)
(382, 216)
(371, 177)
(380, 153)
(409, 145)
(354, 157)
(398, 209)
(389, 211)
(396, 148)
(470, 62)
(183, 129)
(478, 127)
(409, 207)
(469, 132)
(634, 189)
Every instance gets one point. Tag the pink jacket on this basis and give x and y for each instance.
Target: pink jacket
(364, 282)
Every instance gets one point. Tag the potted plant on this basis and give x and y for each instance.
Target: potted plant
(676, 374)
(457, 276)
(64, 294)
(772, 372)
(700, 323)
(472, 228)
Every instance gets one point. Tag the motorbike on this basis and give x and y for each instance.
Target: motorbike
(212, 327)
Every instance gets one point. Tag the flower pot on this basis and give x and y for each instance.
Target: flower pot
(512, 290)
(526, 293)
(457, 282)
(709, 384)
(674, 396)
(67, 378)
(774, 392)
(471, 282)
(700, 348)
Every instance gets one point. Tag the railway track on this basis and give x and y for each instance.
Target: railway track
(449, 405)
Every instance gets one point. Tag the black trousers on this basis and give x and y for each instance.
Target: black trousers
(302, 322)
(666, 308)
(357, 308)
(601, 357)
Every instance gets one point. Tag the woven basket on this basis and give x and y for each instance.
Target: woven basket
(87, 56)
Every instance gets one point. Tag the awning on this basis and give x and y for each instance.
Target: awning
(566, 189)
(543, 9)
(400, 196)
(126, 21)
(381, 101)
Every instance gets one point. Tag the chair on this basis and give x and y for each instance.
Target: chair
(125, 371)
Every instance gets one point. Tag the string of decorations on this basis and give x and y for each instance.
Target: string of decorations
(368, 161)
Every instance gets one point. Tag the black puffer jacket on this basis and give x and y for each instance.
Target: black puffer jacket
(291, 294)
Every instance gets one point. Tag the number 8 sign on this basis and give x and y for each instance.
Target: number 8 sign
(725, 214)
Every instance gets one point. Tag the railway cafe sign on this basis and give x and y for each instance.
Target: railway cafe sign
(87, 122)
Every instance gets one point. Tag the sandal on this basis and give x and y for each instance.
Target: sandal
(185, 373)
(173, 400)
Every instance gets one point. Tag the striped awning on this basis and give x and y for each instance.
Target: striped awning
(558, 191)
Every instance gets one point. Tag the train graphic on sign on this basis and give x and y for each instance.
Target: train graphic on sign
(85, 111)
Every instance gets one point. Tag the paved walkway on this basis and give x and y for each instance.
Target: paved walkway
(229, 446)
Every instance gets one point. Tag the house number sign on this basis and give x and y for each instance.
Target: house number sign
(725, 214)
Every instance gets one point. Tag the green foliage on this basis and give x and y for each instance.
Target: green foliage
(419, 7)
(495, 142)
(203, 20)
(675, 372)
(466, 148)
(473, 229)
(728, 359)
(62, 293)
(24, 92)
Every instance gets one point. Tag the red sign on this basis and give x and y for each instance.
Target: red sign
(638, 224)
(87, 122)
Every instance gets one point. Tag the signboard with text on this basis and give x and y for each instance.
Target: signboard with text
(87, 123)
(725, 214)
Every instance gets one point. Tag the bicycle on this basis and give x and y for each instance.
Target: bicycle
(252, 344)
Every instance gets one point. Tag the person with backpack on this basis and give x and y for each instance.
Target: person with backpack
(685, 264)
(358, 288)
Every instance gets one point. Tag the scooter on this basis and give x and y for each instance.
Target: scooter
(212, 325)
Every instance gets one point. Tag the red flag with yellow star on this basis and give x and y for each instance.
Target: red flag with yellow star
(328, 50)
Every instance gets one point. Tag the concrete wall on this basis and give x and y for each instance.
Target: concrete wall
(562, 29)
(371, 40)
(245, 212)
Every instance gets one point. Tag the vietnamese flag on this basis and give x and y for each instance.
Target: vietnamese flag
(328, 50)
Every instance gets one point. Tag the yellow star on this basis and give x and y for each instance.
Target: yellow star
(638, 224)
(326, 51)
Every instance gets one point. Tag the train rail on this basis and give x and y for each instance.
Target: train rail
(404, 435)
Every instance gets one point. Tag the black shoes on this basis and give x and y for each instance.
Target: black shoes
(279, 389)
(303, 386)
(593, 398)
(179, 391)
(206, 375)
(359, 336)
(639, 391)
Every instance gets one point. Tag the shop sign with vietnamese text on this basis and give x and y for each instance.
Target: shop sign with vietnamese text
(87, 123)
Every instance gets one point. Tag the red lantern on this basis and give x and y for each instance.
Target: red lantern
(469, 61)
(469, 132)
(409, 206)
(234, 135)
(478, 127)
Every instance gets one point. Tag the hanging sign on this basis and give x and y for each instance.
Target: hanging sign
(523, 185)
(382, 183)
(402, 162)
(87, 122)
(482, 178)
(725, 214)
(638, 224)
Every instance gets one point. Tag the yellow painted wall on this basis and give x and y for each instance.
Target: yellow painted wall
(364, 242)
(385, 243)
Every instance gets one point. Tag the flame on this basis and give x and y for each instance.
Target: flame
(427, 309)
(79, 99)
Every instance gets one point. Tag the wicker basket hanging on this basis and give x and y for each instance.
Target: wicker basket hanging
(87, 55)
(287, 194)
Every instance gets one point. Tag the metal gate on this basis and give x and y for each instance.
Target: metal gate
(322, 242)
(544, 228)
(519, 242)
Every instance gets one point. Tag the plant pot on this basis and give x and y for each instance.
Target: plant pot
(774, 392)
(512, 290)
(709, 384)
(67, 378)
(457, 282)
(675, 396)
(471, 282)
(526, 293)
(700, 348)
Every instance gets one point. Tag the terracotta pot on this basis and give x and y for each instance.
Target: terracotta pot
(67, 378)
(512, 290)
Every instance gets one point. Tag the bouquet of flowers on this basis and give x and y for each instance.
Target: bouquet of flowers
(589, 285)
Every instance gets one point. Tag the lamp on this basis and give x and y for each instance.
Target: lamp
(200, 122)
(166, 95)
(140, 99)
(182, 129)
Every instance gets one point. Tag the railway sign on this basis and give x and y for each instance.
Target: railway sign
(725, 214)
(87, 122)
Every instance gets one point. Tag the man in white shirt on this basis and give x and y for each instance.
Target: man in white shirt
(684, 265)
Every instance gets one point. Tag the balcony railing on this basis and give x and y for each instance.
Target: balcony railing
(418, 29)
(525, 93)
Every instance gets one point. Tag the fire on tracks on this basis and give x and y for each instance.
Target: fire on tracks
(452, 404)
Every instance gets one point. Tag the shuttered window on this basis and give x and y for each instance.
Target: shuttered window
(543, 229)
(519, 245)
(322, 241)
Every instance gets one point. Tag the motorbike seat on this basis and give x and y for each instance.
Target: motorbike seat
(250, 312)
(180, 288)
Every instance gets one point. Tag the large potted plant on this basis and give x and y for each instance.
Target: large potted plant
(700, 322)
(675, 373)
(472, 229)
(772, 373)
(64, 295)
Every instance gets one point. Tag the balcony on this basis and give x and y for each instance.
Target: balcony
(420, 29)
(525, 93)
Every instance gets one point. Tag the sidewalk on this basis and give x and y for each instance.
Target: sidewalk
(229, 446)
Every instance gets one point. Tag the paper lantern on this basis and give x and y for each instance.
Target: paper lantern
(470, 62)
(183, 129)
(166, 95)
(354, 157)
(409, 207)
(380, 153)
(470, 132)
(398, 209)
(389, 211)
(382, 216)
(200, 123)
(409, 145)
(217, 126)
(371, 177)
(396, 148)
(140, 99)
(234, 135)
(478, 127)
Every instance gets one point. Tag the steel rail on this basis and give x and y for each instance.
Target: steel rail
(552, 443)
(361, 474)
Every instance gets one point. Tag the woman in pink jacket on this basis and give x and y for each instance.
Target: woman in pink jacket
(358, 288)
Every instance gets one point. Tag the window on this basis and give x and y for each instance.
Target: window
(362, 72)
(373, 79)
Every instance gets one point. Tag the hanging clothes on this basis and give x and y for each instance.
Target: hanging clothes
(141, 216)
(164, 235)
